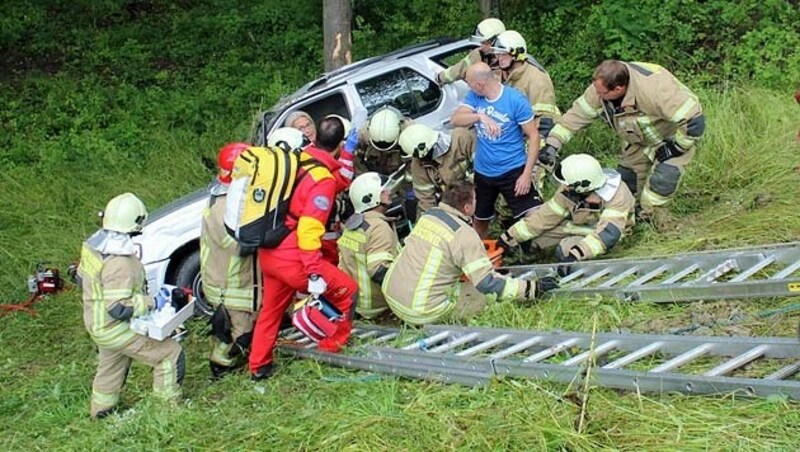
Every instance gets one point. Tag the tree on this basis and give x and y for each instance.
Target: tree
(489, 8)
(337, 17)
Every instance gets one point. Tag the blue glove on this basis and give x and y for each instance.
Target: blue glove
(163, 297)
(352, 140)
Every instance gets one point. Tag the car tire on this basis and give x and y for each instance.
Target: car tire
(187, 274)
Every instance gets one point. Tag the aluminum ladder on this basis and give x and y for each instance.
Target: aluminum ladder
(765, 271)
(751, 367)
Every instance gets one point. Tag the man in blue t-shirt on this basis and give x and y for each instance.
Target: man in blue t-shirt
(502, 117)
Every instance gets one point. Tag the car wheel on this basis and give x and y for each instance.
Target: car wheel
(187, 274)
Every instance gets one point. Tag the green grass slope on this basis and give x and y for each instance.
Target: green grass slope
(92, 126)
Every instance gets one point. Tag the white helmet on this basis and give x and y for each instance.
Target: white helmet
(512, 43)
(582, 172)
(125, 213)
(287, 137)
(488, 30)
(365, 191)
(384, 128)
(348, 126)
(417, 140)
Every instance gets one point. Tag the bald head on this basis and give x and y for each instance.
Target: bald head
(481, 80)
(479, 71)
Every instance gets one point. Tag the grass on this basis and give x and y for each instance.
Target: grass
(146, 109)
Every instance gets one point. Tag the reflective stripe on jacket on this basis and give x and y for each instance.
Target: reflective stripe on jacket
(430, 177)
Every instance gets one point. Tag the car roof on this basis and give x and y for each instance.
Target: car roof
(354, 70)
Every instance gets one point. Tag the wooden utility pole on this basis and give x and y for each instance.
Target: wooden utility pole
(337, 17)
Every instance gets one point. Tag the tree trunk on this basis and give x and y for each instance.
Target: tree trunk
(336, 18)
(489, 8)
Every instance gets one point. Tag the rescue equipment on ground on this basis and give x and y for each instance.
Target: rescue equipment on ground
(44, 281)
(173, 306)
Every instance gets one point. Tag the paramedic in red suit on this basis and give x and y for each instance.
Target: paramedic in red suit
(289, 267)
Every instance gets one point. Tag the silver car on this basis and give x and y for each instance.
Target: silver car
(169, 245)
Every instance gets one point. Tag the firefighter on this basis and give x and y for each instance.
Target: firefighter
(525, 74)
(296, 264)
(423, 284)
(658, 118)
(589, 214)
(503, 118)
(303, 122)
(485, 33)
(231, 278)
(113, 282)
(377, 148)
(369, 243)
(437, 160)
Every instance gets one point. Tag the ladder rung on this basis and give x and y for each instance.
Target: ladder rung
(592, 277)
(649, 275)
(573, 276)
(620, 276)
(738, 361)
(484, 345)
(517, 347)
(784, 372)
(681, 274)
(635, 355)
(683, 358)
(600, 350)
(786, 271)
(455, 343)
(720, 270)
(385, 338)
(760, 265)
(367, 334)
(423, 344)
(294, 336)
(548, 352)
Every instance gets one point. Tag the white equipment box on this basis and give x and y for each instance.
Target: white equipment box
(159, 331)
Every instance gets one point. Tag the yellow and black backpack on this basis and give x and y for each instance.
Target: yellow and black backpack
(262, 183)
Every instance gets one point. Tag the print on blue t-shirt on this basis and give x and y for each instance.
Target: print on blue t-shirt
(498, 155)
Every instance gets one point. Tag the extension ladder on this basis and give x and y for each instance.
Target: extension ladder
(752, 367)
(765, 271)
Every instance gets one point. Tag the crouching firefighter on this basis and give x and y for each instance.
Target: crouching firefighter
(369, 243)
(589, 214)
(295, 264)
(113, 282)
(231, 277)
(423, 285)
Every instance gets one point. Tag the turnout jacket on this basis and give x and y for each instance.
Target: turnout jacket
(532, 80)
(430, 176)
(113, 291)
(602, 224)
(656, 107)
(228, 277)
(367, 247)
(423, 283)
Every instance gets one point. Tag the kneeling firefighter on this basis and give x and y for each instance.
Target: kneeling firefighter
(231, 280)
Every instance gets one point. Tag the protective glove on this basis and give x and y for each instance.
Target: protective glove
(668, 150)
(548, 156)
(546, 284)
(352, 140)
(565, 269)
(316, 285)
(162, 298)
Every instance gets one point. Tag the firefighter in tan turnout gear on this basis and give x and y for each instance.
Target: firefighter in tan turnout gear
(588, 215)
(377, 148)
(113, 282)
(659, 119)
(231, 281)
(437, 161)
(485, 33)
(423, 284)
(369, 243)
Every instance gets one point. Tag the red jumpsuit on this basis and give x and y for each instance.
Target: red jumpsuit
(287, 267)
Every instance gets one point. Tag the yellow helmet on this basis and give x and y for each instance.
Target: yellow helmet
(384, 128)
(125, 213)
(417, 140)
(487, 30)
(582, 172)
(512, 43)
(287, 137)
(365, 191)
